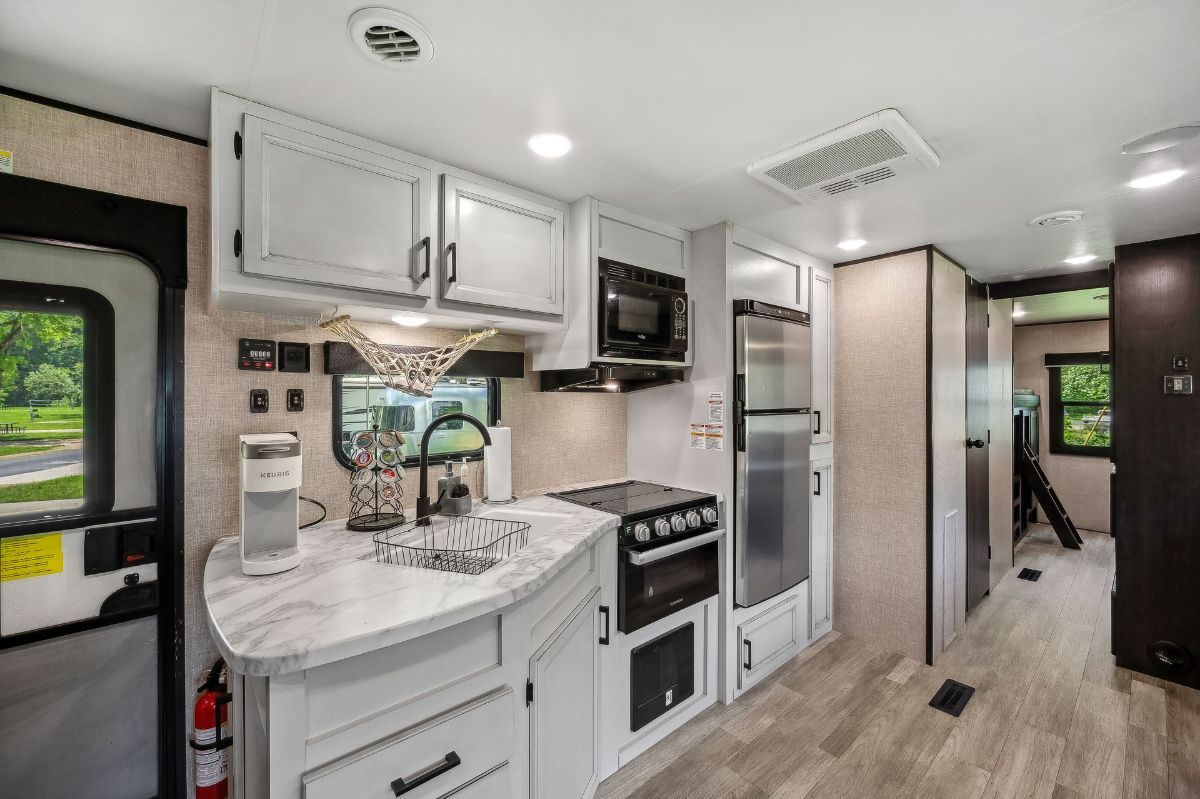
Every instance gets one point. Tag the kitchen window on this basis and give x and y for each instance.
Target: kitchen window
(56, 401)
(1080, 403)
(362, 401)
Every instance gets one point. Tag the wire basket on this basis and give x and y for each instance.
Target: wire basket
(461, 544)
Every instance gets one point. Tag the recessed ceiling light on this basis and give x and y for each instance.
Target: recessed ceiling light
(1076, 260)
(852, 244)
(409, 319)
(550, 145)
(1056, 218)
(1156, 179)
(1161, 139)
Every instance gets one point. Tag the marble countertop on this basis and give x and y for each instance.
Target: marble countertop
(340, 602)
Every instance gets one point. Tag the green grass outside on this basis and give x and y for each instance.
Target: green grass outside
(21, 449)
(48, 418)
(69, 487)
(34, 435)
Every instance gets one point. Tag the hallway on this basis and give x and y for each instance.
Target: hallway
(1051, 717)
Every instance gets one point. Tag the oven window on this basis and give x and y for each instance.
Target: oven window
(360, 401)
(637, 314)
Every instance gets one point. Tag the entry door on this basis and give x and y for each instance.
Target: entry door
(79, 523)
(977, 442)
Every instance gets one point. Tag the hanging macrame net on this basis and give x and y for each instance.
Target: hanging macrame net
(413, 370)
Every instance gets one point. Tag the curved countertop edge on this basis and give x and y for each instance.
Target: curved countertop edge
(279, 624)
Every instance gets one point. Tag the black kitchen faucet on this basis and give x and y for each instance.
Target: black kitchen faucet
(425, 508)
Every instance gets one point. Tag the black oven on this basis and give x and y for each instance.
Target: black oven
(656, 579)
(643, 314)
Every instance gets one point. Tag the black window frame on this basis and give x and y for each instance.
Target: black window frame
(493, 417)
(1054, 362)
(99, 389)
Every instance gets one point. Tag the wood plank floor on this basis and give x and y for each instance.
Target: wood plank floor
(1051, 717)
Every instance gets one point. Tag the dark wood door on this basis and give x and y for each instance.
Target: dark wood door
(977, 438)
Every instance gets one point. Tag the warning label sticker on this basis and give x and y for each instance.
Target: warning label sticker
(30, 556)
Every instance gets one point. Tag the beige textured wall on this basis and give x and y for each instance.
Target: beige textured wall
(1081, 481)
(879, 452)
(557, 438)
(1000, 452)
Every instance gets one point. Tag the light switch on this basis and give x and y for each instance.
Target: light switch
(1177, 384)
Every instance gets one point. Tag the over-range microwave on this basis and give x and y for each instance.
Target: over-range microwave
(643, 314)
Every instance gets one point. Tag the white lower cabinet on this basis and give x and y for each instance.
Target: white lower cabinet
(769, 638)
(820, 580)
(564, 719)
(496, 784)
(429, 760)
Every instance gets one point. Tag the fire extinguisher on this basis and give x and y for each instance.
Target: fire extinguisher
(210, 741)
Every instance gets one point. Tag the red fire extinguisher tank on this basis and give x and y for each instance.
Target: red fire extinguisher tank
(210, 740)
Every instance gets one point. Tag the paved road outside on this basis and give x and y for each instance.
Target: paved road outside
(39, 461)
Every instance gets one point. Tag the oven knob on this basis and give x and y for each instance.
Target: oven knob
(641, 531)
(677, 523)
(693, 519)
(709, 515)
(662, 527)
(680, 305)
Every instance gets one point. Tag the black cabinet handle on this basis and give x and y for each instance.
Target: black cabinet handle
(817, 414)
(401, 786)
(604, 638)
(749, 651)
(452, 251)
(817, 493)
(427, 246)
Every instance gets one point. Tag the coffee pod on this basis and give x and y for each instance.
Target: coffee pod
(362, 477)
(364, 439)
(388, 457)
(390, 439)
(388, 492)
(388, 475)
(363, 458)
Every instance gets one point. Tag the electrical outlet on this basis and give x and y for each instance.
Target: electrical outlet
(295, 399)
(260, 400)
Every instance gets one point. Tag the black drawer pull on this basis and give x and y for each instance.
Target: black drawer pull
(747, 665)
(452, 251)
(817, 432)
(817, 493)
(401, 786)
(426, 245)
(604, 638)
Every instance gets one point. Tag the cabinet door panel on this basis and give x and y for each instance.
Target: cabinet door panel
(501, 250)
(320, 211)
(770, 638)
(564, 718)
(821, 551)
(822, 357)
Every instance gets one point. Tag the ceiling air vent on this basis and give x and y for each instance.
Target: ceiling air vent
(1056, 218)
(389, 37)
(852, 158)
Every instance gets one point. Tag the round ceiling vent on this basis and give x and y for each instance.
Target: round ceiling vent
(389, 37)
(1056, 219)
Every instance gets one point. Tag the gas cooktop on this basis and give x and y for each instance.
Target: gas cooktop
(634, 498)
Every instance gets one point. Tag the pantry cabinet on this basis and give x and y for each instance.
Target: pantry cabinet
(821, 299)
(321, 211)
(820, 579)
(306, 217)
(501, 250)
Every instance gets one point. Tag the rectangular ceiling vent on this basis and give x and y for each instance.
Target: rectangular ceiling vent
(851, 158)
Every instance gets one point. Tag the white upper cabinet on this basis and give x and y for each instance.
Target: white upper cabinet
(306, 217)
(822, 356)
(322, 211)
(761, 269)
(500, 249)
(625, 238)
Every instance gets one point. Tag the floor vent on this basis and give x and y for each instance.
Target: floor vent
(1029, 574)
(952, 697)
(851, 158)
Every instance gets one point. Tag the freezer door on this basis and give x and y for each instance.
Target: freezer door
(771, 521)
(774, 363)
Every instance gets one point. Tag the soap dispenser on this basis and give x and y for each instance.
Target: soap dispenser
(447, 483)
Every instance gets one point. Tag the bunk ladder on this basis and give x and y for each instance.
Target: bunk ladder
(1056, 514)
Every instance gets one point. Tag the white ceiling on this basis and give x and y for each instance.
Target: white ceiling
(1064, 306)
(1025, 101)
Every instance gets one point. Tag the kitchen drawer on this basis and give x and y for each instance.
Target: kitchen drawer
(493, 785)
(479, 734)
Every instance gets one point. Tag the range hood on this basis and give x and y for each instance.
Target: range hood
(616, 379)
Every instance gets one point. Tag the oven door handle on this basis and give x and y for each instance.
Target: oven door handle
(668, 550)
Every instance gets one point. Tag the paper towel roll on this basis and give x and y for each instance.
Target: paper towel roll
(497, 465)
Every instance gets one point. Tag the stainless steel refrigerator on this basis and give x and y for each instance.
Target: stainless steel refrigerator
(772, 403)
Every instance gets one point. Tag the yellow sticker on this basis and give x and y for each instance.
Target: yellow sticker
(6, 161)
(30, 556)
